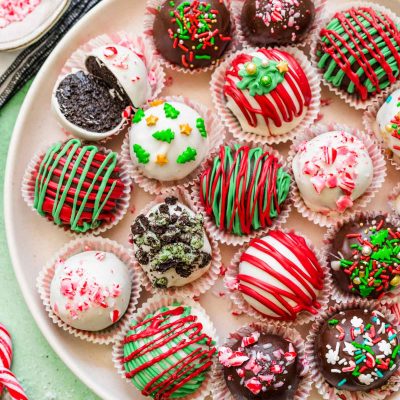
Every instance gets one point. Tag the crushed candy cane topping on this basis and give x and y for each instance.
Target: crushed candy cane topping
(15, 10)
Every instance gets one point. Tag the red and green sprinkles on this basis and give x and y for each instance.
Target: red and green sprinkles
(374, 267)
(195, 21)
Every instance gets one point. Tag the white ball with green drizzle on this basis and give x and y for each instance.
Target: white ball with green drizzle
(168, 141)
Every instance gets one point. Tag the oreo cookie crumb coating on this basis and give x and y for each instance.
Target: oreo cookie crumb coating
(88, 102)
(365, 257)
(261, 366)
(192, 34)
(357, 350)
(276, 22)
(171, 245)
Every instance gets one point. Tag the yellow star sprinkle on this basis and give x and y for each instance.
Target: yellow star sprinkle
(156, 102)
(161, 159)
(283, 67)
(185, 129)
(151, 120)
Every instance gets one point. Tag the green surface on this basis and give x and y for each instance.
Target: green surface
(40, 371)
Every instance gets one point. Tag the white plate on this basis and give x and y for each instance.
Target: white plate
(32, 240)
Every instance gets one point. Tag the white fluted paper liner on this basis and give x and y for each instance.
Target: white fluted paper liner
(220, 390)
(236, 9)
(76, 246)
(216, 136)
(140, 46)
(203, 283)
(379, 167)
(352, 101)
(337, 294)
(327, 391)
(152, 9)
(151, 306)
(229, 238)
(394, 200)
(28, 192)
(371, 126)
(237, 298)
(230, 120)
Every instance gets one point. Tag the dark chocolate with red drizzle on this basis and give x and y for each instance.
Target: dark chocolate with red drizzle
(359, 51)
(168, 355)
(365, 257)
(244, 189)
(192, 34)
(261, 366)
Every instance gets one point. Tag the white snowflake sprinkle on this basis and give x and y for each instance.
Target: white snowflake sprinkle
(385, 347)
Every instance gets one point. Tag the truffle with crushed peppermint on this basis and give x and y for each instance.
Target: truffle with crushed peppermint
(332, 170)
(357, 350)
(261, 366)
(90, 290)
(365, 257)
(277, 22)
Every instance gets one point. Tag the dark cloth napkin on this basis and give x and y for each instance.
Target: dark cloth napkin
(29, 61)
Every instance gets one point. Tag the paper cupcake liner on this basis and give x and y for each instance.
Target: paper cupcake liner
(216, 135)
(28, 193)
(237, 298)
(352, 101)
(378, 163)
(230, 238)
(151, 306)
(394, 200)
(220, 390)
(236, 9)
(204, 282)
(232, 123)
(152, 9)
(138, 45)
(370, 125)
(337, 294)
(327, 391)
(45, 277)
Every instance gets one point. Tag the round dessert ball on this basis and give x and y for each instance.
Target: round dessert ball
(280, 276)
(271, 22)
(364, 257)
(168, 141)
(267, 91)
(244, 189)
(374, 61)
(90, 290)
(357, 350)
(77, 186)
(331, 171)
(171, 244)
(155, 366)
(261, 366)
(388, 121)
(192, 34)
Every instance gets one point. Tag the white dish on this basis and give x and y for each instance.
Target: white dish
(20, 34)
(32, 240)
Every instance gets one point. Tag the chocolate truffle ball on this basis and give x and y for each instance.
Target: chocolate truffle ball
(261, 366)
(171, 244)
(365, 257)
(374, 60)
(271, 22)
(192, 34)
(357, 350)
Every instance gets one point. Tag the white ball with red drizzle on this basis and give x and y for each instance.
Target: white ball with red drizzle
(90, 290)
(129, 71)
(331, 171)
(267, 91)
(280, 276)
(388, 121)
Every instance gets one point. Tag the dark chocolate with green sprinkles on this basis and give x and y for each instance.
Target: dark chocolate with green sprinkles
(365, 257)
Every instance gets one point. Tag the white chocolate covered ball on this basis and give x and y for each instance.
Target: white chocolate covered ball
(331, 171)
(168, 140)
(388, 121)
(90, 290)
